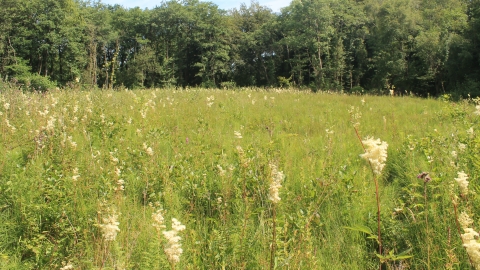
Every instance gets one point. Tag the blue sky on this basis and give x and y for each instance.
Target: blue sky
(275, 5)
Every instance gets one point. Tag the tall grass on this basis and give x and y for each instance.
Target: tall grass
(72, 158)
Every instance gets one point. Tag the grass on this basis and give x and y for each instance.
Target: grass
(221, 194)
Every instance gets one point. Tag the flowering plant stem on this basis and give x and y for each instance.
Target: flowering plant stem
(426, 223)
(274, 238)
(378, 203)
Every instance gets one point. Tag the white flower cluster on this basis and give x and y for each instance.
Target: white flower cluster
(477, 112)
(173, 249)
(470, 243)
(110, 227)
(462, 181)
(148, 149)
(376, 153)
(158, 220)
(275, 183)
(67, 267)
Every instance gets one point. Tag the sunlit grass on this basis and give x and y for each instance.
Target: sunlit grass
(68, 150)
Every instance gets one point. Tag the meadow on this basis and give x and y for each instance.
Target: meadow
(187, 179)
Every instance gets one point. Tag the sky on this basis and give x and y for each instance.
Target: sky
(275, 5)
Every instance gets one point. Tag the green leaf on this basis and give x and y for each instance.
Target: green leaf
(360, 228)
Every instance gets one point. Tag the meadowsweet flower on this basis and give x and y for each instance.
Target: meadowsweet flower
(110, 227)
(355, 116)
(148, 149)
(67, 267)
(462, 181)
(238, 135)
(376, 153)
(464, 220)
(470, 131)
(275, 183)
(454, 154)
(12, 128)
(472, 246)
(51, 124)
(158, 220)
(120, 185)
(477, 112)
(462, 146)
(118, 172)
(240, 150)
(173, 249)
(113, 159)
(75, 174)
(221, 171)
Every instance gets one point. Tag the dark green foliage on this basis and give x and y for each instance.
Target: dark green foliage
(426, 47)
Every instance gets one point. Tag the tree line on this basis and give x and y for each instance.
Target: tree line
(428, 47)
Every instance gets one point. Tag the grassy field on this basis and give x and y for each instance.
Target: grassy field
(84, 174)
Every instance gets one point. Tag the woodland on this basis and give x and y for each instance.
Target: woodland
(421, 47)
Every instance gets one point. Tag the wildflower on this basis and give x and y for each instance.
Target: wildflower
(464, 220)
(425, 176)
(118, 171)
(462, 146)
(120, 185)
(355, 116)
(221, 171)
(6, 105)
(376, 153)
(238, 135)
(173, 249)
(240, 150)
(275, 183)
(67, 267)
(110, 227)
(454, 154)
(51, 124)
(472, 246)
(75, 174)
(470, 131)
(12, 128)
(477, 112)
(158, 220)
(462, 181)
(113, 159)
(147, 149)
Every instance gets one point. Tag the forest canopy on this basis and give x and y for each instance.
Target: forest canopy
(426, 47)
